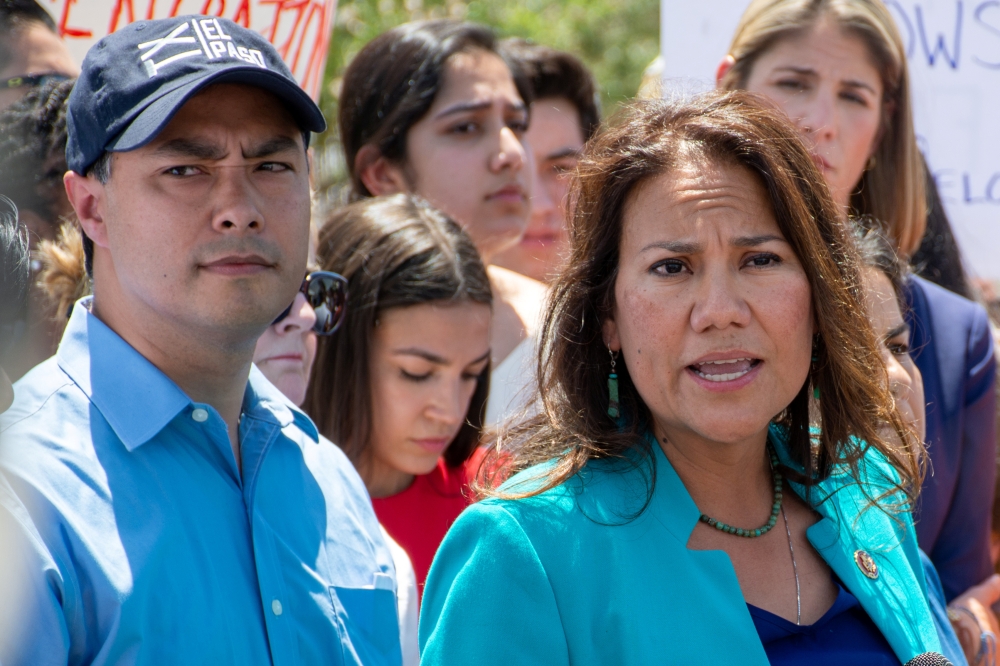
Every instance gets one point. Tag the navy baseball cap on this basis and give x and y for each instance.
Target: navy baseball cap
(135, 80)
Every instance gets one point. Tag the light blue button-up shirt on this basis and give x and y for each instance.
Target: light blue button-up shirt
(147, 546)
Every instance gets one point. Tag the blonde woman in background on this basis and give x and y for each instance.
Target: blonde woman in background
(838, 69)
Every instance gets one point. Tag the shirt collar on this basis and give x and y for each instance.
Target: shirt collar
(133, 395)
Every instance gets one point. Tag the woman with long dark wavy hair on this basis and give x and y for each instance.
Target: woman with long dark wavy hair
(718, 473)
(402, 385)
(436, 109)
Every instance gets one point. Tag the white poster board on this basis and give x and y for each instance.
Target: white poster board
(299, 29)
(953, 48)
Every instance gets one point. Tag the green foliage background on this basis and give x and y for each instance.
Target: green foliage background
(617, 39)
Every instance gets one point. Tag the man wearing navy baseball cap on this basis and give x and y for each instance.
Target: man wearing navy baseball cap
(179, 510)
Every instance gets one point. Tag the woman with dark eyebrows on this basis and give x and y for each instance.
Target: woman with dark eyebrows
(434, 109)
(402, 385)
(673, 500)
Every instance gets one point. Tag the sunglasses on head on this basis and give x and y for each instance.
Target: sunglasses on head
(326, 292)
(31, 80)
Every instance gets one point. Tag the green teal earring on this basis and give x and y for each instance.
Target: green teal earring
(613, 410)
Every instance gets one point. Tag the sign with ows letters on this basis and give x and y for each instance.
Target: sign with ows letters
(953, 48)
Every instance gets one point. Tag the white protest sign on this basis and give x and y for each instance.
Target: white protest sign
(953, 47)
(299, 29)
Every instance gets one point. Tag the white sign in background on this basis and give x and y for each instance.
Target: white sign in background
(953, 47)
(299, 29)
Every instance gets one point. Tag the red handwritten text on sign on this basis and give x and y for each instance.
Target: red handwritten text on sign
(299, 29)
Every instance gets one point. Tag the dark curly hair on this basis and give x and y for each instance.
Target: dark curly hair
(33, 150)
(15, 272)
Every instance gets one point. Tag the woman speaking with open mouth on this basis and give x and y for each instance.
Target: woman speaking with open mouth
(718, 473)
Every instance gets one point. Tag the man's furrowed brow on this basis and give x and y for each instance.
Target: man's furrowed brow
(193, 148)
(273, 146)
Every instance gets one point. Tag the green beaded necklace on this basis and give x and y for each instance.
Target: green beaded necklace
(775, 508)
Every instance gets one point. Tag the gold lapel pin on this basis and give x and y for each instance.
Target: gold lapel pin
(866, 563)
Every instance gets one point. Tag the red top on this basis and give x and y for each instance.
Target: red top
(419, 517)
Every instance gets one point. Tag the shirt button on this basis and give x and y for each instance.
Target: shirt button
(276, 607)
(200, 415)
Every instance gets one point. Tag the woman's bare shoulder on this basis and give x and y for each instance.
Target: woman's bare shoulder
(525, 295)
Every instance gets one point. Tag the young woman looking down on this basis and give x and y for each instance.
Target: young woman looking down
(401, 387)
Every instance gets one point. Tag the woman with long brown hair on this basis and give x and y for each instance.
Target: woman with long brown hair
(712, 302)
(402, 385)
(838, 69)
(436, 109)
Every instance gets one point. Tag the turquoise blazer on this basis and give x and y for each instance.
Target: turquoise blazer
(573, 576)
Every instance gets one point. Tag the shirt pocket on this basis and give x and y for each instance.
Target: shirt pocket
(368, 616)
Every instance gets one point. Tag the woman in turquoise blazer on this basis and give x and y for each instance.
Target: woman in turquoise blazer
(718, 473)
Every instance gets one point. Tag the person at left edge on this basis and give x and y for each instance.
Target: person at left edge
(15, 275)
(185, 511)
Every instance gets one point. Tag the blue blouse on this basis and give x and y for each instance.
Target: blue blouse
(844, 635)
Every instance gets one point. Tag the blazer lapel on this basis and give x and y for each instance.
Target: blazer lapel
(874, 555)
(720, 602)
